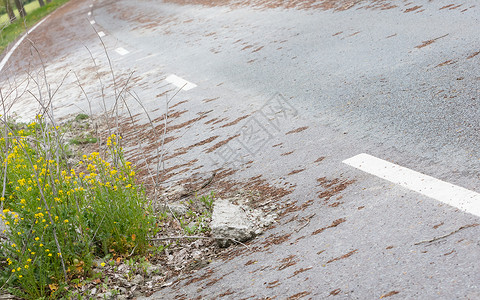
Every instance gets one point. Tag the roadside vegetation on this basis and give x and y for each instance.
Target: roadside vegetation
(10, 32)
(58, 218)
(67, 218)
(77, 222)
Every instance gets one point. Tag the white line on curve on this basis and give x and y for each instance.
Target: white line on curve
(101, 34)
(454, 195)
(121, 51)
(180, 82)
(7, 56)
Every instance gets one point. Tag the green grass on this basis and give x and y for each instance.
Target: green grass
(28, 7)
(14, 30)
(83, 140)
(81, 117)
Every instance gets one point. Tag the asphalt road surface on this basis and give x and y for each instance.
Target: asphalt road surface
(363, 115)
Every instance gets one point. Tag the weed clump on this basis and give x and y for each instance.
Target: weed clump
(56, 218)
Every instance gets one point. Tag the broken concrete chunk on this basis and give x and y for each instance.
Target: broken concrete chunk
(176, 190)
(177, 209)
(138, 279)
(231, 222)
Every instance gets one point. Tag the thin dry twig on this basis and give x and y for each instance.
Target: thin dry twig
(307, 221)
(182, 237)
(446, 235)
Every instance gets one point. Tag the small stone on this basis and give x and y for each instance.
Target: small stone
(267, 220)
(182, 254)
(175, 190)
(122, 267)
(149, 284)
(177, 209)
(5, 296)
(137, 293)
(93, 291)
(125, 282)
(138, 279)
(199, 243)
(196, 254)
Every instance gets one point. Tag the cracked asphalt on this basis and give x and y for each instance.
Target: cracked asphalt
(395, 79)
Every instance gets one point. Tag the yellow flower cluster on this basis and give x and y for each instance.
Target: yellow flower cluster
(43, 194)
(113, 140)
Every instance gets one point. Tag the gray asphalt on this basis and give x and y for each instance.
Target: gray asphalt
(398, 84)
(371, 85)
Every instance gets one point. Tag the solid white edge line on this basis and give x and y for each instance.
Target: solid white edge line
(101, 34)
(453, 195)
(122, 51)
(180, 82)
(7, 56)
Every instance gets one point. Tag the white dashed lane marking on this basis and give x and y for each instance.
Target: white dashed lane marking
(180, 82)
(101, 34)
(89, 13)
(453, 195)
(92, 22)
(122, 51)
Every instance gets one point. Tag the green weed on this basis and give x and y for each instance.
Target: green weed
(197, 218)
(83, 140)
(58, 218)
(81, 117)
